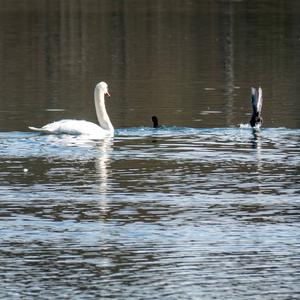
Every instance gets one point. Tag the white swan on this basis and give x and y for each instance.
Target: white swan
(78, 127)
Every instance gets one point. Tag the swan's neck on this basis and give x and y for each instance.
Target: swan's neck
(102, 115)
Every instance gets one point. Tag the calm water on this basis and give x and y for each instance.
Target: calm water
(198, 209)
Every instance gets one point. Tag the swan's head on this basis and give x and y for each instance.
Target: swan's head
(103, 87)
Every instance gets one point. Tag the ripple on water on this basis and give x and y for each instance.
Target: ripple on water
(169, 213)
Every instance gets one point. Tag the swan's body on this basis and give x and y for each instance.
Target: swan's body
(78, 127)
(257, 99)
(74, 127)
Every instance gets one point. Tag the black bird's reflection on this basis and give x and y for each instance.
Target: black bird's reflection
(256, 138)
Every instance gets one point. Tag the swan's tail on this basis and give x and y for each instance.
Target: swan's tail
(257, 99)
(43, 130)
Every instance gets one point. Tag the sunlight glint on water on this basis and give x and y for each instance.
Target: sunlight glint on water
(176, 211)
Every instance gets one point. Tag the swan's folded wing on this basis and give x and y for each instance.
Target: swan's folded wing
(73, 127)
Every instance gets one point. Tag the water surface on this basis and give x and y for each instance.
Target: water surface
(197, 209)
(174, 212)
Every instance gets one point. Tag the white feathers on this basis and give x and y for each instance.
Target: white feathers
(82, 127)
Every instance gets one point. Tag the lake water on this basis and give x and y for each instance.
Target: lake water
(197, 209)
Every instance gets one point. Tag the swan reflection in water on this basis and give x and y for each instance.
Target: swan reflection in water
(102, 163)
(84, 149)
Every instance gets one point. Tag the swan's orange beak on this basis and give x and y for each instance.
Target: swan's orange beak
(107, 94)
